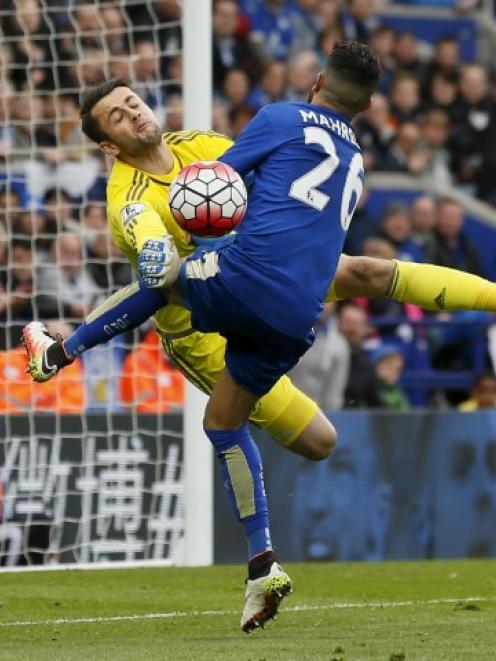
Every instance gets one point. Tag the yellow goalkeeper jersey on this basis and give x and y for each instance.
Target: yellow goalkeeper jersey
(138, 207)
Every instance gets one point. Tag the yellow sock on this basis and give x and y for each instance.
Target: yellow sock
(439, 288)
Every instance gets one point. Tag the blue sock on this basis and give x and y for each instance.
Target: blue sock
(127, 313)
(243, 477)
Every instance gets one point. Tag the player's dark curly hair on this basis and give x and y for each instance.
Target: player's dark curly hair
(90, 97)
(352, 73)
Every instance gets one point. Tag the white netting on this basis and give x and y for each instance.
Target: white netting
(89, 471)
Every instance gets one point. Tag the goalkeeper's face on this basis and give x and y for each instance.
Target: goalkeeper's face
(131, 125)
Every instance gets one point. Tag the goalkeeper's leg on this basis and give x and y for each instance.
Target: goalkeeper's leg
(426, 285)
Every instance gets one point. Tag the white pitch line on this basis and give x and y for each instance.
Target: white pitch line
(177, 614)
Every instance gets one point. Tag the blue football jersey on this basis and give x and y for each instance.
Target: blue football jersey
(308, 177)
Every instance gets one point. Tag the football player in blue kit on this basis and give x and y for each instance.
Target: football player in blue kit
(264, 291)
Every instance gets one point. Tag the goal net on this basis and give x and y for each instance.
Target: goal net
(91, 463)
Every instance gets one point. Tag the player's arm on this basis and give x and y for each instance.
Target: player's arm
(158, 265)
(258, 139)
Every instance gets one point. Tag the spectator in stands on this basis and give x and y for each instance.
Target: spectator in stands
(29, 138)
(406, 152)
(149, 382)
(31, 225)
(20, 394)
(104, 260)
(115, 33)
(443, 92)
(10, 206)
(375, 131)
(396, 227)
(93, 218)
(272, 85)
(326, 41)
(59, 211)
(485, 179)
(272, 29)
(89, 69)
(423, 215)
(120, 65)
(236, 88)
(173, 73)
(229, 49)
(322, 373)
(16, 286)
(305, 20)
(329, 17)
(362, 387)
(388, 362)
(220, 118)
(406, 55)
(161, 18)
(357, 20)
(6, 128)
(68, 129)
(450, 245)
(446, 60)
(405, 98)
(483, 394)
(435, 129)
(66, 288)
(146, 78)
(4, 270)
(174, 113)
(382, 42)
(471, 116)
(302, 71)
(89, 26)
(31, 47)
(19, 293)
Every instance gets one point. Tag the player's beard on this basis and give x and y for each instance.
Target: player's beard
(152, 137)
(141, 144)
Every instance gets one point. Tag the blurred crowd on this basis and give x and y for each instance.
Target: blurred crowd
(434, 117)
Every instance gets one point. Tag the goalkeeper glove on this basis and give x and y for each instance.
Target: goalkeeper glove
(158, 262)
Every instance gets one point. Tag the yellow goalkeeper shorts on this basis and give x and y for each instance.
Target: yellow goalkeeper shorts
(284, 412)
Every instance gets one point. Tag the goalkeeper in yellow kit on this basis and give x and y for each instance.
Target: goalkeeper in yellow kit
(138, 211)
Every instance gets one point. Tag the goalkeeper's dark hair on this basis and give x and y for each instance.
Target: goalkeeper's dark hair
(352, 72)
(90, 97)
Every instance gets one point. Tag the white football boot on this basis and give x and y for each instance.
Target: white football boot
(263, 596)
(37, 340)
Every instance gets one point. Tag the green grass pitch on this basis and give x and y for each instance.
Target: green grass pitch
(434, 611)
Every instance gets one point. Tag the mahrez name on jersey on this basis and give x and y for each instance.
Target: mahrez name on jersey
(335, 125)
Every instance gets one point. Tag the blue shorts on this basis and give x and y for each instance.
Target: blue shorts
(257, 355)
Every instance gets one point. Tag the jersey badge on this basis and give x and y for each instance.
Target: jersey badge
(131, 211)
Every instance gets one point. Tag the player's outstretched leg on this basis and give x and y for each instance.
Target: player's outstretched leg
(46, 355)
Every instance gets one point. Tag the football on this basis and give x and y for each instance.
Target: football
(208, 198)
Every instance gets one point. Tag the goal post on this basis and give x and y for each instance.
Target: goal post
(87, 476)
(198, 463)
